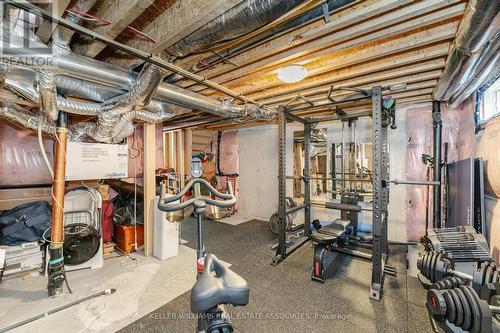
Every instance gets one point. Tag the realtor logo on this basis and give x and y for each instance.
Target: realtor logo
(20, 43)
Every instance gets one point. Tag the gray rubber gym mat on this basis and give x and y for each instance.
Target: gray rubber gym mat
(284, 299)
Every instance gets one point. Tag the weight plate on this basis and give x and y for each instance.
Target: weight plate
(467, 310)
(451, 314)
(274, 223)
(484, 268)
(425, 268)
(475, 317)
(489, 274)
(427, 265)
(437, 302)
(476, 327)
(459, 319)
(495, 276)
(456, 282)
(433, 263)
(447, 283)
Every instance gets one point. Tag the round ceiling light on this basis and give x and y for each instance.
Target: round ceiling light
(292, 73)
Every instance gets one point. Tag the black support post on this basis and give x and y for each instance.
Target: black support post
(437, 134)
(334, 171)
(307, 179)
(379, 215)
(281, 250)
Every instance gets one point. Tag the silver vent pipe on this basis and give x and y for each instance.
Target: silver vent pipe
(475, 37)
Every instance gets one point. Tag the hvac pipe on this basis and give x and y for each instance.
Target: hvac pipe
(148, 57)
(75, 67)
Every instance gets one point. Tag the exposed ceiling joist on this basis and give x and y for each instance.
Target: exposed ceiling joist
(121, 14)
(374, 30)
(47, 28)
(410, 74)
(359, 62)
(178, 21)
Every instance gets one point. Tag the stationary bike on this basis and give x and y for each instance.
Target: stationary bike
(216, 285)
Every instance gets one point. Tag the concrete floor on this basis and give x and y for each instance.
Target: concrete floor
(142, 286)
(284, 299)
(153, 296)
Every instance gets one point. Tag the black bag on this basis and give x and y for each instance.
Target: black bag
(25, 223)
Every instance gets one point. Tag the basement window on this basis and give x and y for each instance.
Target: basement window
(488, 101)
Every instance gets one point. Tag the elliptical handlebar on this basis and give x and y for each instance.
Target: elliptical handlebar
(165, 203)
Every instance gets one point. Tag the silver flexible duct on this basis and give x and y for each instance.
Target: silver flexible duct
(19, 116)
(78, 67)
(487, 68)
(477, 29)
(68, 86)
(153, 117)
(48, 94)
(115, 117)
(243, 18)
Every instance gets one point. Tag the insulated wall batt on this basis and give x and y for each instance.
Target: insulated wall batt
(419, 141)
(21, 161)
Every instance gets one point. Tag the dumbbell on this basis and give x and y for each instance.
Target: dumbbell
(448, 282)
(462, 307)
(435, 266)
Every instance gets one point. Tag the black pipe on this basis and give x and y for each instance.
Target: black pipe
(437, 135)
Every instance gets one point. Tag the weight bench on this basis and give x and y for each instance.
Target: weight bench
(325, 238)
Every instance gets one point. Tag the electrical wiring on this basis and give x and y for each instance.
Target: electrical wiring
(42, 149)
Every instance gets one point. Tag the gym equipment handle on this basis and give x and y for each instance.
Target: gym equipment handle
(164, 204)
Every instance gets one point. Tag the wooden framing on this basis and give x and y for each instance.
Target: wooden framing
(121, 14)
(149, 186)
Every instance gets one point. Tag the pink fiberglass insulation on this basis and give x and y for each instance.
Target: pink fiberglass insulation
(136, 151)
(21, 161)
(229, 154)
(419, 141)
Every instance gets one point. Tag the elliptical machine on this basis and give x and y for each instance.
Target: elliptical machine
(211, 292)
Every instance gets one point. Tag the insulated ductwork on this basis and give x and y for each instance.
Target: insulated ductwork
(19, 116)
(115, 117)
(473, 45)
(243, 18)
(48, 94)
(109, 76)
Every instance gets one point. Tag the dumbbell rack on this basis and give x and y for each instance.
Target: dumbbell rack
(458, 271)
(462, 244)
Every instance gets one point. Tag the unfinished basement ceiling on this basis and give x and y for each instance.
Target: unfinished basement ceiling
(359, 44)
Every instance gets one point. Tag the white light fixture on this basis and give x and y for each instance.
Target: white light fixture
(292, 73)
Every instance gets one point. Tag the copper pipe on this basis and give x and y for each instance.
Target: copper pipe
(57, 229)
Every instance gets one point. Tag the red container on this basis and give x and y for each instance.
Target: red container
(124, 237)
(107, 220)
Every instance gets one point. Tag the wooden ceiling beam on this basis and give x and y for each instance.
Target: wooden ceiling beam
(270, 86)
(121, 14)
(47, 28)
(178, 21)
(411, 87)
(373, 31)
(339, 20)
(408, 79)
